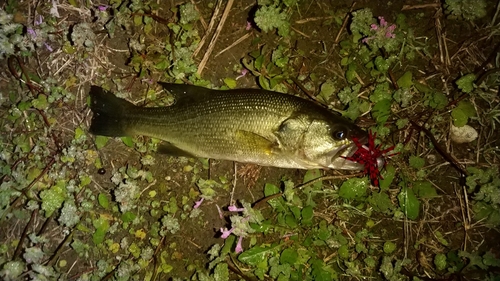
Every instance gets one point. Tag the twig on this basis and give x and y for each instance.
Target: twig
(211, 46)
(496, 14)
(154, 17)
(210, 27)
(13, 71)
(300, 32)
(313, 19)
(45, 225)
(324, 178)
(344, 24)
(66, 240)
(311, 96)
(441, 151)
(239, 273)
(241, 39)
(464, 208)
(260, 204)
(17, 252)
(477, 82)
(491, 59)
(147, 187)
(155, 257)
(438, 28)
(25, 190)
(422, 6)
(42, 174)
(33, 89)
(201, 18)
(231, 201)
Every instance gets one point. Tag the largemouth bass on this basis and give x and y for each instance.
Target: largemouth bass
(244, 125)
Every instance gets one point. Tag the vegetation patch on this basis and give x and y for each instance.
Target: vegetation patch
(423, 79)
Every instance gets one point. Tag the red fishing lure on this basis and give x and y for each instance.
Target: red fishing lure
(370, 156)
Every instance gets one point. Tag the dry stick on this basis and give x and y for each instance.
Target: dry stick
(239, 273)
(406, 232)
(446, 52)
(17, 252)
(311, 96)
(477, 82)
(25, 190)
(201, 18)
(210, 27)
(300, 32)
(242, 38)
(66, 240)
(324, 178)
(153, 16)
(437, 25)
(441, 151)
(496, 14)
(155, 259)
(491, 59)
(464, 210)
(235, 178)
(313, 19)
(344, 24)
(481, 74)
(33, 89)
(260, 203)
(412, 7)
(45, 225)
(211, 46)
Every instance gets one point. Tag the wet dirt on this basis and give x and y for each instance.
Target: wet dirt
(316, 40)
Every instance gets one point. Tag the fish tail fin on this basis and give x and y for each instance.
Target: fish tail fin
(109, 113)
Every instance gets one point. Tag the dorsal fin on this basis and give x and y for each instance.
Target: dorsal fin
(184, 93)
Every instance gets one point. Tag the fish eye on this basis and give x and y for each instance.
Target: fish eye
(340, 134)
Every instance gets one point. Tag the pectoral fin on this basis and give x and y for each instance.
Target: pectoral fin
(172, 150)
(254, 141)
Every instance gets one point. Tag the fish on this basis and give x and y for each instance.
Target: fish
(244, 125)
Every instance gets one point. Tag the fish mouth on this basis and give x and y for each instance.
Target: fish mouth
(340, 162)
(351, 149)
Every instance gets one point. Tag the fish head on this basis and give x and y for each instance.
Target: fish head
(327, 143)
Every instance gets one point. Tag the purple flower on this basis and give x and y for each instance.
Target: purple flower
(390, 30)
(239, 248)
(102, 8)
(150, 82)
(243, 73)
(382, 21)
(366, 39)
(48, 47)
(39, 21)
(249, 25)
(233, 208)
(198, 203)
(31, 31)
(221, 215)
(390, 35)
(226, 232)
(381, 30)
